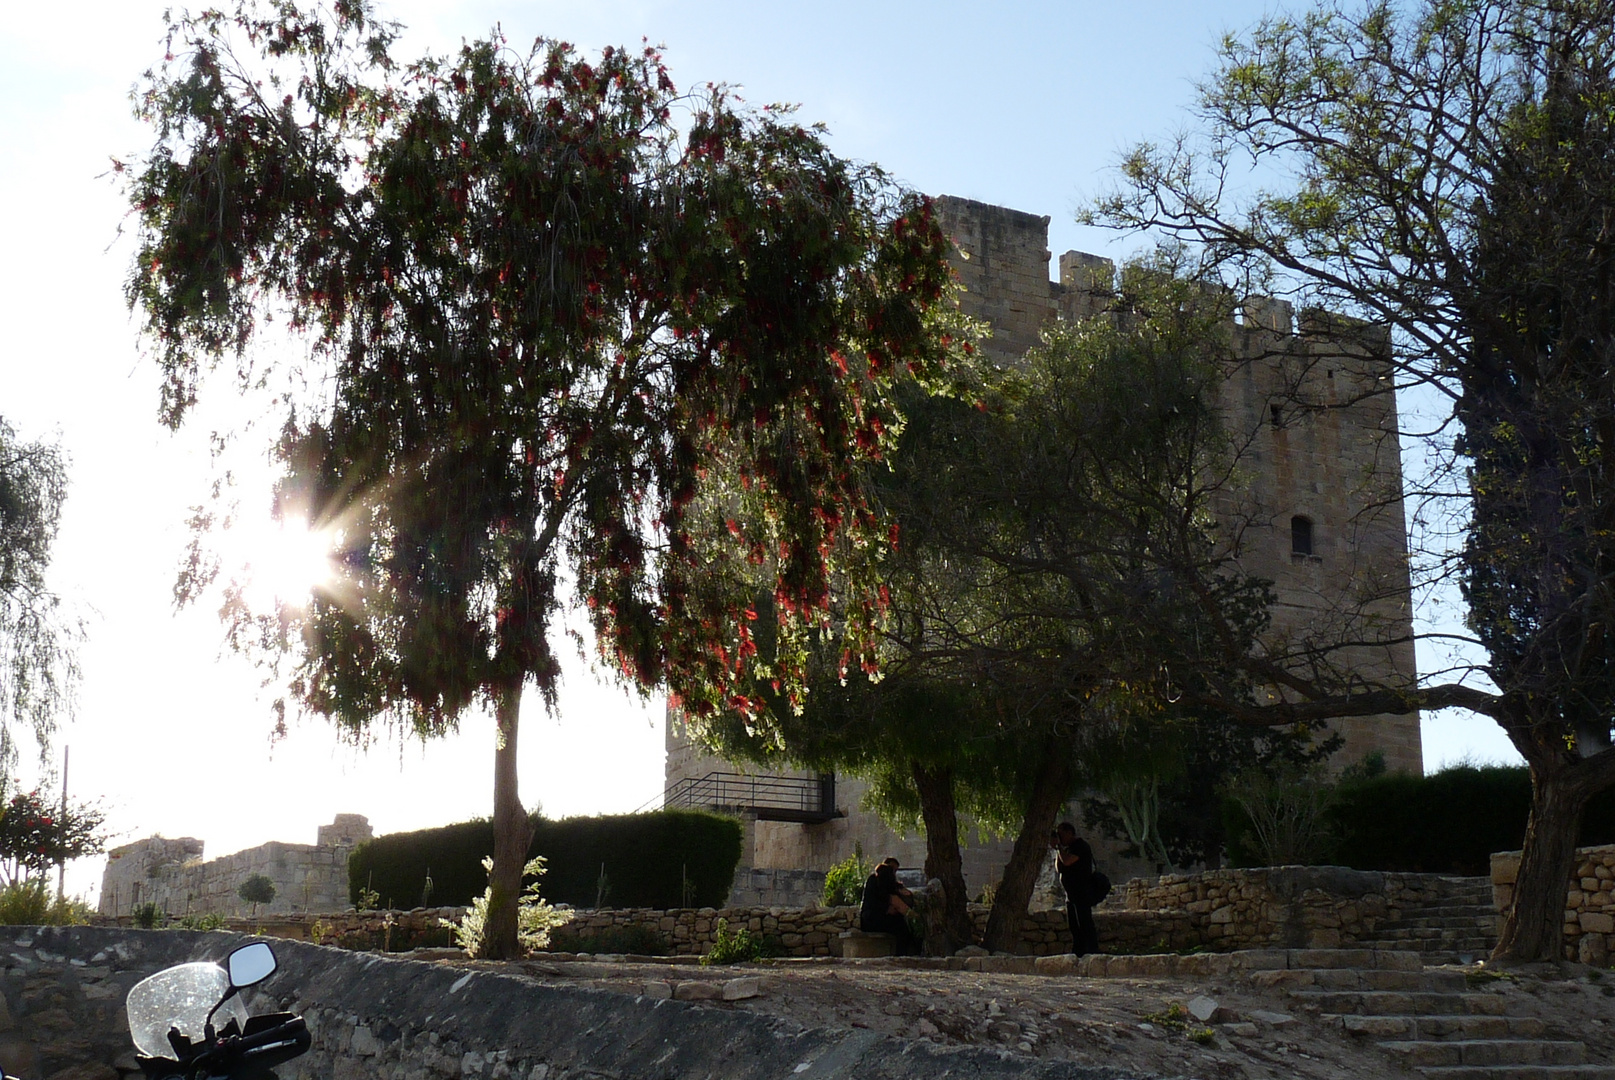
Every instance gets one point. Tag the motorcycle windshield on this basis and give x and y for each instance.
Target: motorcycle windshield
(179, 997)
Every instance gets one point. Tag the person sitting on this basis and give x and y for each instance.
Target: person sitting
(902, 890)
(884, 911)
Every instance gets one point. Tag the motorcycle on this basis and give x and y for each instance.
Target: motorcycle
(172, 1014)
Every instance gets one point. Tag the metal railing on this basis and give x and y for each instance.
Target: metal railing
(808, 799)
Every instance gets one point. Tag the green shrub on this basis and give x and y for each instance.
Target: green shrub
(1449, 822)
(202, 920)
(671, 858)
(733, 947)
(30, 903)
(150, 917)
(257, 889)
(844, 883)
(636, 940)
(1280, 814)
(535, 918)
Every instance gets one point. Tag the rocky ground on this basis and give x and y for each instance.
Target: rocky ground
(1140, 1026)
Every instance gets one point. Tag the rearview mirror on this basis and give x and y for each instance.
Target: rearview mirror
(250, 965)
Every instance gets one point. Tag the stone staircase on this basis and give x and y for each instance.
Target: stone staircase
(1428, 1019)
(1460, 922)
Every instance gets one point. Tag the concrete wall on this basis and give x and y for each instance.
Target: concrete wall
(372, 1017)
(172, 874)
(1589, 924)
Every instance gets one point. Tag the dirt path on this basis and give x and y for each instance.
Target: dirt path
(1138, 1025)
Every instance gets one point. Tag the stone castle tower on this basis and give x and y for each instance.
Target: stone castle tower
(1319, 513)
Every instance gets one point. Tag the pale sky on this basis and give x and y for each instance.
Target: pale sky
(1026, 105)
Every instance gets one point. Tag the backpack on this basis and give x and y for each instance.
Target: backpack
(1098, 887)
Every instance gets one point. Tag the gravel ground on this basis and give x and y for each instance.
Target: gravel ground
(1137, 1025)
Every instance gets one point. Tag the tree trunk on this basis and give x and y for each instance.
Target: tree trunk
(1533, 925)
(942, 859)
(1049, 793)
(512, 833)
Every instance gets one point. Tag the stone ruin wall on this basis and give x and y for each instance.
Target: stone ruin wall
(172, 874)
(1589, 924)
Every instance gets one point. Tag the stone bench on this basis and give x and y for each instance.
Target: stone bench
(856, 943)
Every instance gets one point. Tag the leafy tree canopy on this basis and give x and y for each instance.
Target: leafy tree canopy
(561, 320)
(37, 662)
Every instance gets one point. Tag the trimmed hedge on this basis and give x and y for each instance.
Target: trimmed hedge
(1449, 822)
(648, 860)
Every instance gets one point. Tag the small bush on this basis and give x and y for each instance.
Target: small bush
(534, 917)
(257, 889)
(202, 920)
(150, 917)
(636, 940)
(844, 883)
(30, 903)
(1280, 815)
(733, 947)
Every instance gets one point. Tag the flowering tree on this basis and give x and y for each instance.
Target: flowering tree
(562, 321)
(35, 835)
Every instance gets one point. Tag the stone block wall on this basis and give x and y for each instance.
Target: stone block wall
(1287, 907)
(172, 875)
(758, 887)
(1589, 905)
(1313, 907)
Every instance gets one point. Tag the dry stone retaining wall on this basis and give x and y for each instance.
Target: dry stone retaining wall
(376, 1018)
(1315, 907)
(1589, 906)
(1290, 907)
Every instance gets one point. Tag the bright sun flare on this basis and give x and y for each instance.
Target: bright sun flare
(280, 561)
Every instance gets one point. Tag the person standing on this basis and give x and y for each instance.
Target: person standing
(1075, 860)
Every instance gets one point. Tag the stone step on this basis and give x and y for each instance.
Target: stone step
(1412, 936)
(1481, 927)
(1357, 958)
(1450, 952)
(1519, 1072)
(1456, 1026)
(1422, 1054)
(1441, 922)
(1446, 911)
(1359, 979)
(1398, 1002)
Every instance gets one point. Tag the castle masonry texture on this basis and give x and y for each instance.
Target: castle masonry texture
(1316, 507)
(170, 873)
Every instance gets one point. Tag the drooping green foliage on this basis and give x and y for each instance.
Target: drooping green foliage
(546, 298)
(560, 321)
(649, 860)
(38, 666)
